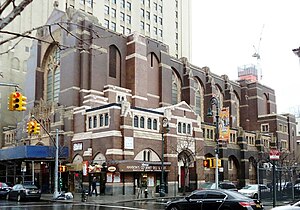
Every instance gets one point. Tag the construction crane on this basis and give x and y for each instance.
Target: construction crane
(256, 51)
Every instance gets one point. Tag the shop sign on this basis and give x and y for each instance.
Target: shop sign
(85, 168)
(88, 152)
(138, 167)
(77, 146)
(94, 168)
(128, 143)
(111, 168)
(74, 167)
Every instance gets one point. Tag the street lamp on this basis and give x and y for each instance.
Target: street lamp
(165, 129)
(214, 101)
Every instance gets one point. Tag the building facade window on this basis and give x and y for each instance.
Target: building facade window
(128, 19)
(106, 9)
(155, 124)
(122, 16)
(142, 122)
(149, 123)
(113, 12)
(148, 15)
(136, 121)
(142, 25)
(129, 6)
(53, 75)
(264, 127)
(122, 3)
(113, 26)
(114, 61)
(142, 12)
(106, 119)
(176, 88)
(106, 23)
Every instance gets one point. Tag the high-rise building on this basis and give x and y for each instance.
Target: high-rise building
(167, 21)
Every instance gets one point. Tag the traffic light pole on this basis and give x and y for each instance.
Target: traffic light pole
(55, 194)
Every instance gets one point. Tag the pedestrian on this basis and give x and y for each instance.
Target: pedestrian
(94, 186)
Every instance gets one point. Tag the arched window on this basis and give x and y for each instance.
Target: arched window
(199, 98)
(176, 89)
(53, 75)
(142, 122)
(155, 124)
(179, 127)
(106, 119)
(101, 120)
(95, 122)
(90, 122)
(188, 128)
(136, 122)
(114, 61)
(15, 63)
(149, 123)
(235, 112)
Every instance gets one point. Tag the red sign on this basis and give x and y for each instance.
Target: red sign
(274, 154)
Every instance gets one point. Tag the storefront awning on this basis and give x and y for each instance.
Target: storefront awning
(141, 166)
(32, 152)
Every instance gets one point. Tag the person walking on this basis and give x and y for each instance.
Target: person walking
(94, 186)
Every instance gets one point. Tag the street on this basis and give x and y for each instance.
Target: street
(47, 205)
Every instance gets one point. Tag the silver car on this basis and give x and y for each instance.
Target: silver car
(251, 190)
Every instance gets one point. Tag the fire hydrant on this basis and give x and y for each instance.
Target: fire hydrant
(146, 193)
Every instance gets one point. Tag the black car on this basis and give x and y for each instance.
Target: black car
(214, 200)
(24, 191)
(4, 189)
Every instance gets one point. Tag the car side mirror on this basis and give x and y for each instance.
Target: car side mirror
(187, 198)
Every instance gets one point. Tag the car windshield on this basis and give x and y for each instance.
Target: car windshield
(250, 187)
(30, 187)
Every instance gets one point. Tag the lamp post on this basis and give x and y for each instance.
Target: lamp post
(214, 101)
(165, 129)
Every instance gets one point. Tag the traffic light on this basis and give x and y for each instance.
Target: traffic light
(62, 168)
(37, 127)
(17, 102)
(30, 127)
(213, 163)
(206, 163)
(60, 183)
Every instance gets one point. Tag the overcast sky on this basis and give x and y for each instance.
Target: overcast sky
(224, 33)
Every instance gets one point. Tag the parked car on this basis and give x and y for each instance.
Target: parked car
(295, 206)
(4, 189)
(222, 185)
(214, 199)
(24, 191)
(251, 190)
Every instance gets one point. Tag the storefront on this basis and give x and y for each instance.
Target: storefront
(133, 177)
(33, 164)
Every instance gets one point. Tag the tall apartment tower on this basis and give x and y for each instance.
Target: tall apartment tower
(168, 21)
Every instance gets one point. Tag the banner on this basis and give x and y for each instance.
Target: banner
(224, 127)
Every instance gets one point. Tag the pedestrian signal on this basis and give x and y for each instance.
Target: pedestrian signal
(206, 163)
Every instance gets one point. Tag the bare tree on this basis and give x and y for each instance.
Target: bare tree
(13, 10)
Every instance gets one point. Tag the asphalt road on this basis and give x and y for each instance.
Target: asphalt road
(46, 205)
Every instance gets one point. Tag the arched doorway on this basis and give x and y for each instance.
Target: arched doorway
(187, 171)
(233, 168)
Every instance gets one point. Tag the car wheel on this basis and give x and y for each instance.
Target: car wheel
(19, 198)
(174, 208)
(255, 196)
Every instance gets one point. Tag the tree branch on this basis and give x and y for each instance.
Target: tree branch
(16, 11)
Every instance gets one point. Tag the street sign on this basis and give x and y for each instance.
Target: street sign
(274, 154)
